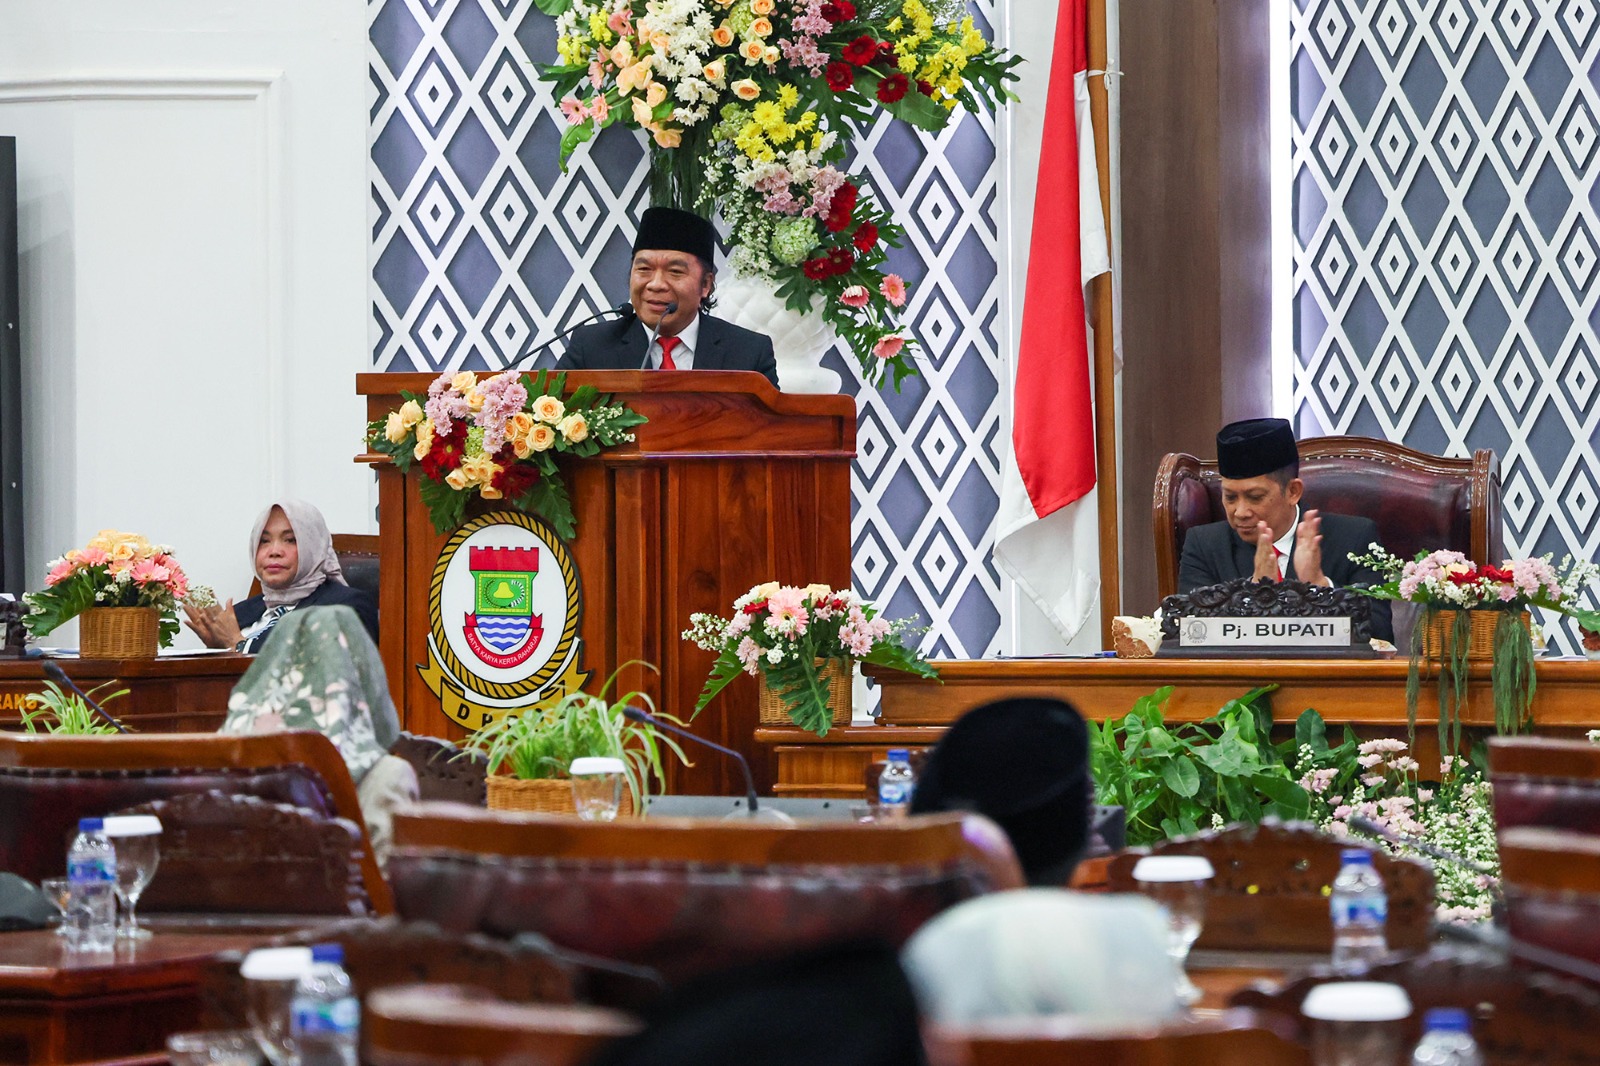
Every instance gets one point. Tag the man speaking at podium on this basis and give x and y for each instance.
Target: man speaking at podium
(669, 328)
(1265, 534)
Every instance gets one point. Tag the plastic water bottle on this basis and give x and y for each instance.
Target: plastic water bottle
(1447, 1040)
(91, 915)
(1360, 908)
(897, 784)
(326, 1015)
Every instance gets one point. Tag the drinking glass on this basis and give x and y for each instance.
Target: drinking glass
(224, 1047)
(271, 976)
(1357, 1023)
(58, 890)
(597, 787)
(137, 840)
(1178, 883)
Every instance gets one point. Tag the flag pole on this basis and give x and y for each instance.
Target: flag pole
(1105, 356)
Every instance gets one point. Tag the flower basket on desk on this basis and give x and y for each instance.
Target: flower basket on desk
(834, 675)
(1440, 635)
(119, 633)
(541, 796)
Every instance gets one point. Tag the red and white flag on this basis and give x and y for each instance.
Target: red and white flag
(1046, 534)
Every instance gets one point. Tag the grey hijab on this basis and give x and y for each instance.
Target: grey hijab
(318, 563)
(320, 670)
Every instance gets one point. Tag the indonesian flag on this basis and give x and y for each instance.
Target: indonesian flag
(1047, 535)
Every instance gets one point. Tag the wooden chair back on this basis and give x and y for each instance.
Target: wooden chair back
(224, 854)
(1541, 781)
(441, 1025)
(445, 772)
(1551, 881)
(1520, 1016)
(48, 782)
(1419, 501)
(1231, 1038)
(688, 896)
(1271, 883)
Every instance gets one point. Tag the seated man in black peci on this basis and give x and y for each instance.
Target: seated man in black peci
(1266, 535)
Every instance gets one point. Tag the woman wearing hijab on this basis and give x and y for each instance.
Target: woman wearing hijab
(293, 557)
(321, 671)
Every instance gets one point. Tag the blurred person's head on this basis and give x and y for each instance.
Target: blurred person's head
(1024, 763)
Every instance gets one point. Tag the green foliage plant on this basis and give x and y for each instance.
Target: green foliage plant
(541, 742)
(65, 713)
(1180, 779)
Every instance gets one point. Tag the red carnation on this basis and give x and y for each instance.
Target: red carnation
(515, 478)
(860, 51)
(925, 88)
(447, 452)
(844, 202)
(893, 88)
(840, 260)
(815, 269)
(866, 237)
(840, 75)
(839, 11)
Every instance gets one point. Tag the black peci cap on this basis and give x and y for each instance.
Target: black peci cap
(672, 230)
(1255, 447)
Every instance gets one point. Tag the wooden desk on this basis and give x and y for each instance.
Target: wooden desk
(1369, 695)
(170, 694)
(57, 1007)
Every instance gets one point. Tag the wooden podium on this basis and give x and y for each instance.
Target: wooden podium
(729, 484)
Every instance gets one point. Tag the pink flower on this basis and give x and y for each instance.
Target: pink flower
(894, 289)
(888, 347)
(787, 608)
(59, 573)
(621, 23)
(574, 110)
(600, 109)
(92, 557)
(855, 296)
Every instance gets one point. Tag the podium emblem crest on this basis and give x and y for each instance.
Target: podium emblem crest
(503, 611)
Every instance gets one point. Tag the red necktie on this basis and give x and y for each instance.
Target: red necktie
(1276, 555)
(667, 344)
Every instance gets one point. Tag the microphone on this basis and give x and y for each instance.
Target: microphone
(634, 714)
(59, 676)
(624, 309)
(672, 309)
(1373, 829)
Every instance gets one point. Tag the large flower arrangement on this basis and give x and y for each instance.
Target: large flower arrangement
(499, 439)
(115, 569)
(781, 632)
(748, 104)
(1379, 781)
(1449, 581)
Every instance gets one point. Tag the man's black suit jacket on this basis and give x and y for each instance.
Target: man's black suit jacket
(621, 345)
(1214, 553)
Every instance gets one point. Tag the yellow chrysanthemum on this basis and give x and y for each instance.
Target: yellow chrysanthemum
(807, 122)
(908, 64)
(768, 114)
(788, 96)
(895, 24)
(572, 50)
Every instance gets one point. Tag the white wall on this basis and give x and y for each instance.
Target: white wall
(193, 212)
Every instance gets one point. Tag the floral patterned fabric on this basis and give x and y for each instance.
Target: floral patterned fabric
(319, 670)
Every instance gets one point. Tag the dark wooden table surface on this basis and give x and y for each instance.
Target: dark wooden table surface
(58, 1006)
(167, 694)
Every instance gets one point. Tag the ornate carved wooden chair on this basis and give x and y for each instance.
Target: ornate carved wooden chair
(688, 896)
(444, 771)
(1521, 1016)
(1419, 501)
(1539, 781)
(1232, 1038)
(1271, 883)
(48, 782)
(223, 854)
(439, 1025)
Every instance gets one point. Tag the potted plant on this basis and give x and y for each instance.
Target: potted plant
(530, 750)
(800, 643)
(126, 589)
(1472, 612)
(66, 713)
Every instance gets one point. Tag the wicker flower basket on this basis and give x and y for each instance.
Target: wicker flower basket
(119, 633)
(550, 795)
(1480, 640)
(835, 674)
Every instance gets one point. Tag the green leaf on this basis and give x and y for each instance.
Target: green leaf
(572, 138)
(553, 7)
(1311, 731)
(1290, 801)
(1226, 759)
(1181, 776)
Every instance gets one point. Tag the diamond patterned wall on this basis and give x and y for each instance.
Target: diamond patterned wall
(1445, 219)
(480, 245)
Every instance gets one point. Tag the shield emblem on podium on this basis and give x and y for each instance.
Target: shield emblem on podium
(502, 629)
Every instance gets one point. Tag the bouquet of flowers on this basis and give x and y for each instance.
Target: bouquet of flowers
(114, 569)
(499, 438)
(782, 632)
(747, 104)
(1378, 781)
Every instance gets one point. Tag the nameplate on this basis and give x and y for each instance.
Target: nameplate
(1283, 632)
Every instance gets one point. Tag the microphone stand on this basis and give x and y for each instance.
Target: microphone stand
(623, 309)
(655, 332)
(59, 676)
(634, 714)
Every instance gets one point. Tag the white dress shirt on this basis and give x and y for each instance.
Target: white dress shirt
(683, 354)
